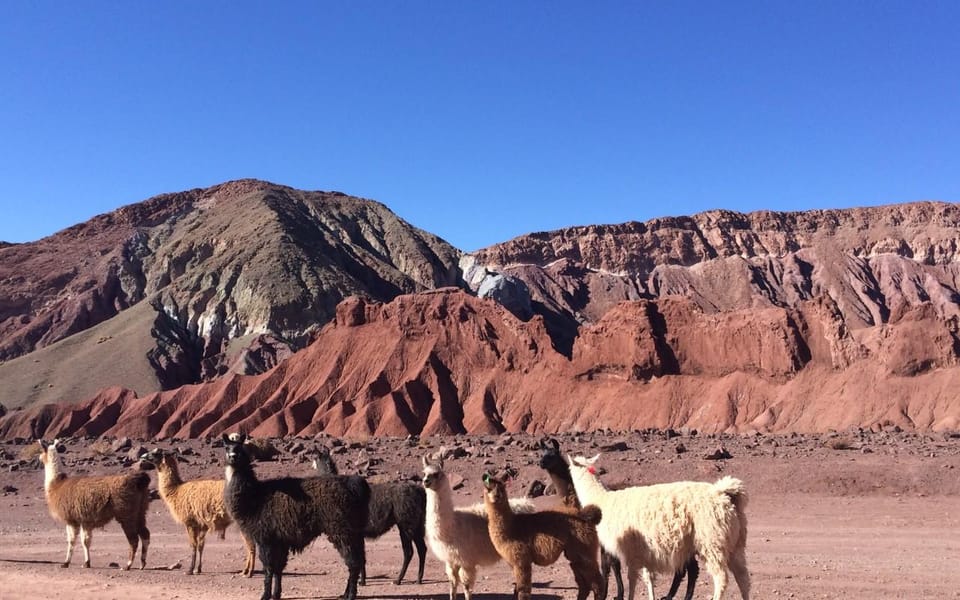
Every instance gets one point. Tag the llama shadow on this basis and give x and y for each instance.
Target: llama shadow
(476, 596)
(26, 561)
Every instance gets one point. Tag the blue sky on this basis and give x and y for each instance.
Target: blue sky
(480, 121)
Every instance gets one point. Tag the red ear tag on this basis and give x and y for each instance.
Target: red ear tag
(591, 470)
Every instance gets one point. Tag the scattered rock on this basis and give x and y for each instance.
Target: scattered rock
(620, 446)
(720, 453)
(456, 481)
(175, 566)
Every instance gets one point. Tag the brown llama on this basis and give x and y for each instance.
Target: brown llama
(539, 538)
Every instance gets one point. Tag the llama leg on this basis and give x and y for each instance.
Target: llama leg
(353, 551)
(675, 584)
(632, 572)
(71, 541)
(523, 575)
(144, 534)
(468, 576)
(132, 539)
(201, 541)
(250, 564)
(266, 558)
(587, 575)
(453, 576)
(279, 564)
(648, 581)
(192, 538)
(605, 572)
(738, 564)
(86, 538)
(407, 546)
(421, 554)
(617, 575)
(693, 571)
(719, 574)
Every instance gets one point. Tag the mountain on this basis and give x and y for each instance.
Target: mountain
(232, 277)
(721, 321)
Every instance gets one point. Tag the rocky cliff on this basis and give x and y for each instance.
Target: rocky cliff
(874, 264)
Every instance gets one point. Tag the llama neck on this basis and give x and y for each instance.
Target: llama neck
(241, 488)
(499, 514)
(168, 479)
(440, 509)
(564, 486)
(588, 488)
(51, 471)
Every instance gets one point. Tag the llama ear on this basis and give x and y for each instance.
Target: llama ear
(426, 461)
(226, 438)
(555, 444)
(43, 445)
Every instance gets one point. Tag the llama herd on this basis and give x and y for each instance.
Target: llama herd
(640, 530)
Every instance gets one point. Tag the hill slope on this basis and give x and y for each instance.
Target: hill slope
(235, 276)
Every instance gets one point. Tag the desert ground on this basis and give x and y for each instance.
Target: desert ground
(852, 515)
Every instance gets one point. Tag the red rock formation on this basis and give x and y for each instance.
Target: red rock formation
(446, 362)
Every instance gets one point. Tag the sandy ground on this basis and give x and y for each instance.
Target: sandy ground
(824, 523)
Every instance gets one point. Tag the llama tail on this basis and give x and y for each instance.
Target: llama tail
(735, 489)
(591, 514)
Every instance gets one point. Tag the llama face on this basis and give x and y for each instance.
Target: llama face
(323, 463)
(551, 460)
(494, 489)
(236, 453)
(50, 453)
(432, 473)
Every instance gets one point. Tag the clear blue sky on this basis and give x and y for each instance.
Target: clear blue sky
(480, 121)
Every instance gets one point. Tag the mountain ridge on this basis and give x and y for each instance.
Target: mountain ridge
(720, 321)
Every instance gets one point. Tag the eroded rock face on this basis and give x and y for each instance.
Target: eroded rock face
(445, 362)
(241, 261)
(873, 263)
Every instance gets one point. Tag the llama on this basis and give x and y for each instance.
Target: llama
(286, 514)
(400, 504)
(556, 467)
(458, 536)
(659, 527)
(88, 503)
(197, 505)
(523, 540)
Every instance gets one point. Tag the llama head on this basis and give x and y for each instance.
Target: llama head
(236, 451)
(162, 460)
(433, 469)
(551, 460)
(323, 462)
(580, 465)
(50, 452)
(495, 489)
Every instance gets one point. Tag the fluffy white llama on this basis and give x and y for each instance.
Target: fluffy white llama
(660, 527)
